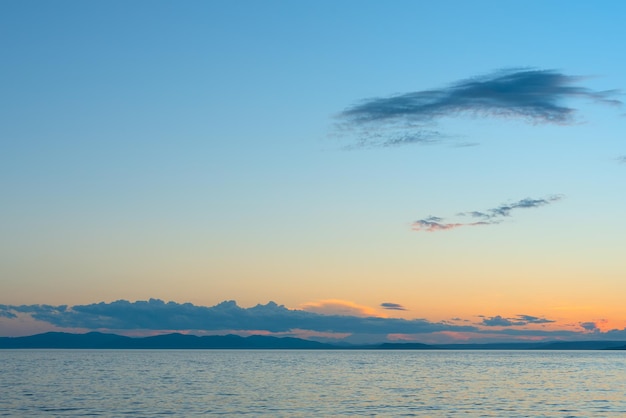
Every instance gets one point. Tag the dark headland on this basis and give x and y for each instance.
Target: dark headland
(97, 340)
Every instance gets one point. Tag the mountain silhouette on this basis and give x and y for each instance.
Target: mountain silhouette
(98, 340)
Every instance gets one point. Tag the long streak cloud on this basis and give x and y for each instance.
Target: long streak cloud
(487, 217)
(532, 95)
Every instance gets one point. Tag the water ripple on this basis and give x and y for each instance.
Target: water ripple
(149, 383)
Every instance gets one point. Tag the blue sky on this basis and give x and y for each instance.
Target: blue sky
(201, 152)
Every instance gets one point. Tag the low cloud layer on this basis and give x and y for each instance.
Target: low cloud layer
(155, 316)
(532, 95)
(486, 217)
(158, 315)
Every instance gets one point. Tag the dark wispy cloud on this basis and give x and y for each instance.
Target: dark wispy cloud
(535, 96)
(486, 217)
(621, 159)
(392, 306)
(520, 320)
(505, 209)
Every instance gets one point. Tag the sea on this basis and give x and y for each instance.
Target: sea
(312, 383)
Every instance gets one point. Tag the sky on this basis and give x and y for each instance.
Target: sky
(362, 170)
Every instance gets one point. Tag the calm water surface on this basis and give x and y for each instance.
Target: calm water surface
(111, 383)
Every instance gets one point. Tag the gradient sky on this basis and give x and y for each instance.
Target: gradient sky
(457, 161)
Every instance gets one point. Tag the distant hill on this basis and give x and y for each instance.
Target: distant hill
(621, 347)
(98, 340)
(585, 345)
(552, 345)
(405, 346)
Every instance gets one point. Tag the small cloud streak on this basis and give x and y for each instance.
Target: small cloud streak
(520, 320)
(532, 95)
(534, 319)
(392, 306)
(488, 217)
(430, 225)
(505, 209)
